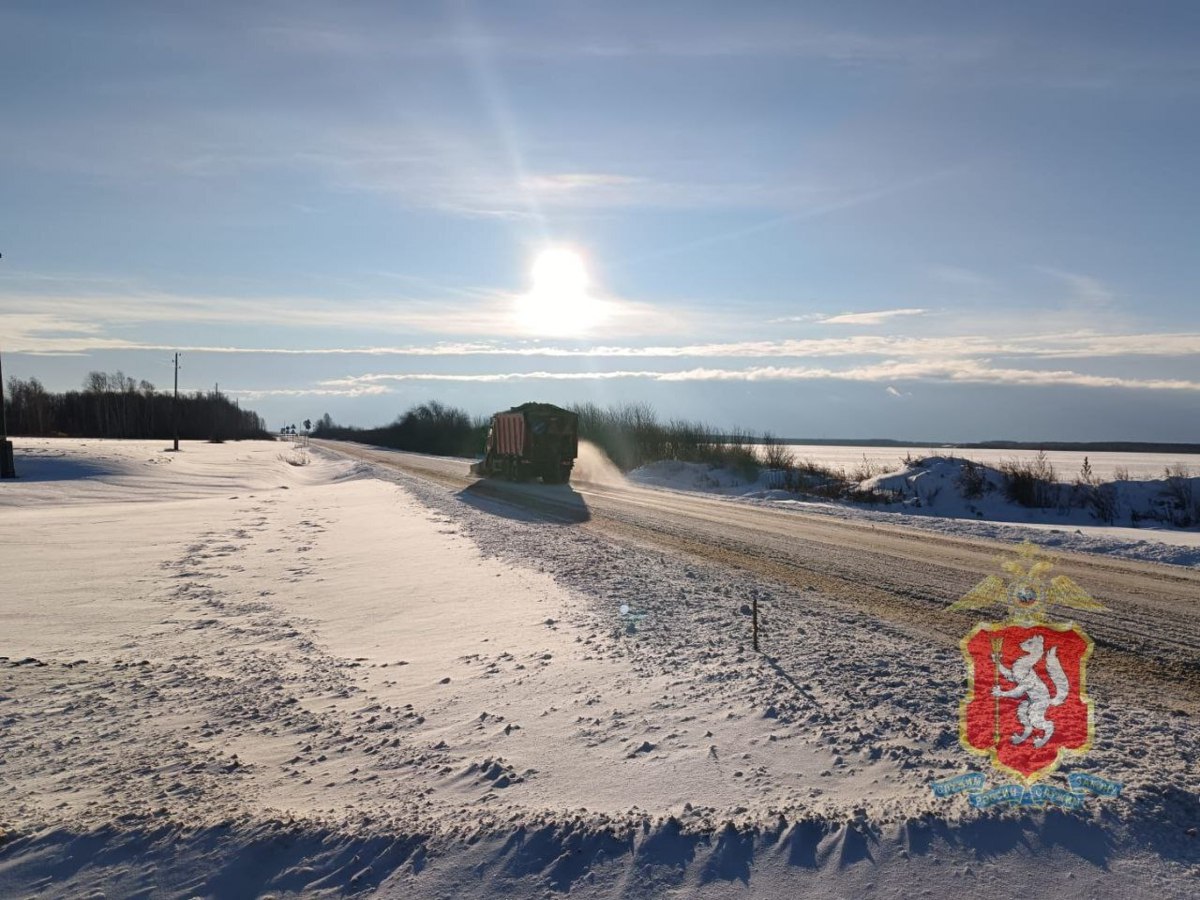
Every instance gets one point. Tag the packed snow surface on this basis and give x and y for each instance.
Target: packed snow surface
(927, 492)
(255, 669)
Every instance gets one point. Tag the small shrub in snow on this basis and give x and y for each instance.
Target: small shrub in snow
(1091, 494)
(1086, 474)
(1181, 493)
(972, 480)
(865, 495)
(777, 456)
(866, 469)
(1031, 483)
(741, 458)
(1103, 502)
(814, 478)
(296, 457)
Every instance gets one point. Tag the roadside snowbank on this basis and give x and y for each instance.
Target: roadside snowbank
(958, 488)
(929, 494)
(62, 471)
(687, 476)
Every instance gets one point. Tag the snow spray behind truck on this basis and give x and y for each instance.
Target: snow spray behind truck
(530, 441)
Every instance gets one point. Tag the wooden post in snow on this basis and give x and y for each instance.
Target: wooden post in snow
(756, 621)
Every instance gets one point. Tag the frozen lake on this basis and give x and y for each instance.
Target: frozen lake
(1066, 462)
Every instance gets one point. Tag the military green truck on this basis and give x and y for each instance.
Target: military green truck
(533, 440)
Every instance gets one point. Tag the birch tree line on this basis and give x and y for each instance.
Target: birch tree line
(113, 405)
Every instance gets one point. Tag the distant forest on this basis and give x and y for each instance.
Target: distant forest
(631, 435)
(432, 428)
(116, 406)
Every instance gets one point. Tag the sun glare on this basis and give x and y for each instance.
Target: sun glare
(560, 271)
(559, 302)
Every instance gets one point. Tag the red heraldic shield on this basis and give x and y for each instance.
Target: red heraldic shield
(1026, 700)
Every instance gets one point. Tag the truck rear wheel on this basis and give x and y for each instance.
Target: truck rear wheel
(555, 475)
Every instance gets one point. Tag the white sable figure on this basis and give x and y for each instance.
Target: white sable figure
(1028, 684)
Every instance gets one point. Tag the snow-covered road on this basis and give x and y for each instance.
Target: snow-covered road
(897, 574)
(371, 674)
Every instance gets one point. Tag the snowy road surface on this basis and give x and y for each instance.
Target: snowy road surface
(1151, 629)
(250, 670)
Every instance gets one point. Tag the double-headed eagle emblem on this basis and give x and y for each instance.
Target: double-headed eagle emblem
(1026, 703)
(1029, 590)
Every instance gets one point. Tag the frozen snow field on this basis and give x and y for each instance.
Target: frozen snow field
(1066, 463)
(253, 669)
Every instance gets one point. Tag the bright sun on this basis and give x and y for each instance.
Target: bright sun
(559, 302)
(561, 271)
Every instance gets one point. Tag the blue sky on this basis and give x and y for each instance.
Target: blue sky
(921, 220)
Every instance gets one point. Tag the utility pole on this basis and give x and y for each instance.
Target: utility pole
(175, 406)
(7, 467)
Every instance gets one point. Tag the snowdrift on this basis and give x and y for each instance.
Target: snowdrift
(1152, 519)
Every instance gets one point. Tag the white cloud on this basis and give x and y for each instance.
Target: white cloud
(958, 371)
(355, 391)
(1084, 289)
(806, 317)
(877, 317)
(574, 181)
(77, 323)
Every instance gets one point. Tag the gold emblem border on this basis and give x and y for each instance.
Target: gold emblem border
(966, 702)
